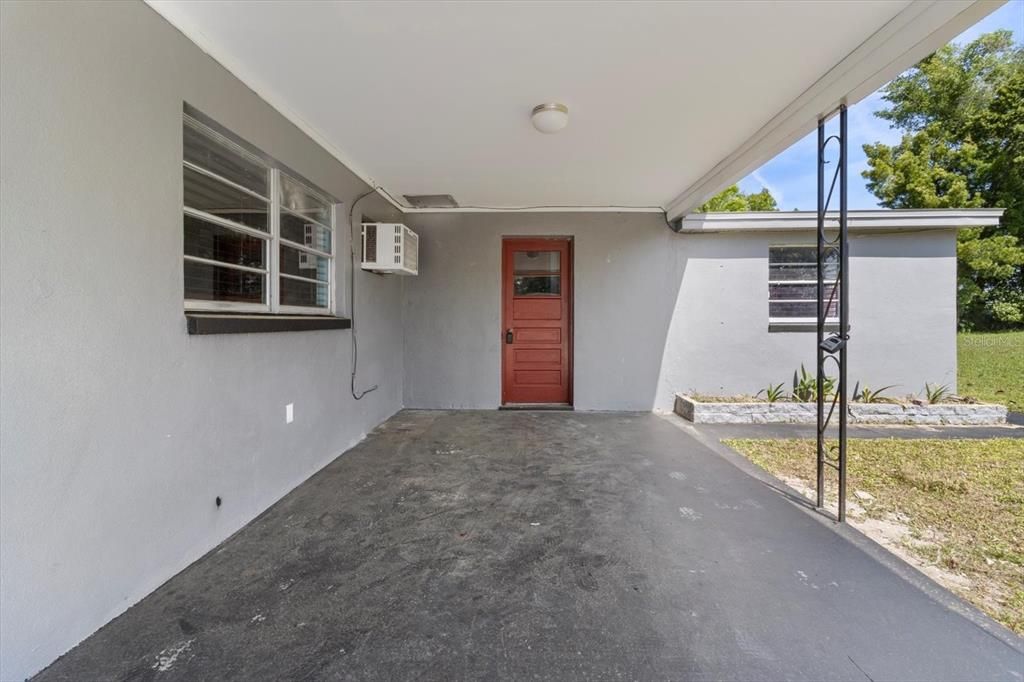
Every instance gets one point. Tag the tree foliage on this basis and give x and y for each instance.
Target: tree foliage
(732, 200)
(961, 112)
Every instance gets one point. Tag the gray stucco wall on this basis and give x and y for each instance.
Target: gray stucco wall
(657, 313)
(118, 429)
(626, 273)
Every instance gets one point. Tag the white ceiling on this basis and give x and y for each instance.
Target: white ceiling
(434, 98)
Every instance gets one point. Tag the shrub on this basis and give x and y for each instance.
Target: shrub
(805, 386)
(866, 395)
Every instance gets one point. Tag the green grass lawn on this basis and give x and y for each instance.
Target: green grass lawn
(991, 368)
(962, 501)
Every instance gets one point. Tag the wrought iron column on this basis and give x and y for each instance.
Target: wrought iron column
(833, 302)
(819, 394)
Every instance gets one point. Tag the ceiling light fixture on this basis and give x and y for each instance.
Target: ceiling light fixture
(550, 118)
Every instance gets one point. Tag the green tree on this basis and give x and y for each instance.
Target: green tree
(732, 200)
(961, 112)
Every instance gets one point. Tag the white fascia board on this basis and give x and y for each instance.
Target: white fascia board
(921, 28)
(888, 220)
(539, 209)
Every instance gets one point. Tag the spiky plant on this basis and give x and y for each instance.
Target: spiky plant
(772, 393)
(935, 393)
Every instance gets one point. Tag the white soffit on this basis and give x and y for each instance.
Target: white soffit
(668, 101)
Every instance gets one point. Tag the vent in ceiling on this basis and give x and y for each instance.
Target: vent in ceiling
(431, 200)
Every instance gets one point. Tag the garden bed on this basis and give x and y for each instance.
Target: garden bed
(787, 412)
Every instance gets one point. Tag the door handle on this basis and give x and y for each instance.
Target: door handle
(508, 335)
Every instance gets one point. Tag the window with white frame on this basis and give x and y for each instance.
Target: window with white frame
(793, 285)
(257, 239)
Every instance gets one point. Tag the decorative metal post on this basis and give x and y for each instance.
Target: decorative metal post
(833, 279)
(822, 246)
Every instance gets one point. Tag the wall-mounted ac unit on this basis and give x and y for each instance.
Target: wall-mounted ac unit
(390, 248)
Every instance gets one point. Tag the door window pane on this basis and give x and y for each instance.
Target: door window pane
(529, 262)
(204, 282)
(535, 273)
(537, 285)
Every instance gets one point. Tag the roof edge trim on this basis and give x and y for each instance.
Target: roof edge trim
(866, 220)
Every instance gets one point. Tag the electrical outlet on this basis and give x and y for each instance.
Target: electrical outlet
(289, 413)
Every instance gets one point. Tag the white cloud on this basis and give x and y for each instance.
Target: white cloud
(865, 127)
(774, 190)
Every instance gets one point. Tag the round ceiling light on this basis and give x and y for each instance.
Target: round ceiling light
(550, 118)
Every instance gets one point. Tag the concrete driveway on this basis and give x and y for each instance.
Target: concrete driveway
(544, 545)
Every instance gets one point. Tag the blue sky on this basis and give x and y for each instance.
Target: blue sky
(791, 176)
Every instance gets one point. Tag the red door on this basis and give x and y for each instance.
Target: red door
(536, 297)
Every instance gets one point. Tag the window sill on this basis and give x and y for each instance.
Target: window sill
(220, 323)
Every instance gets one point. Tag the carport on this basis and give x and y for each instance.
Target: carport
(186, 492)
(544, 545)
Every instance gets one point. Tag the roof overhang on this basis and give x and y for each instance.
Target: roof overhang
(882, 220)
(669, 102)
(920, 29)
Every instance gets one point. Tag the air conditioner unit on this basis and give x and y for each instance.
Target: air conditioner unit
(390, 248)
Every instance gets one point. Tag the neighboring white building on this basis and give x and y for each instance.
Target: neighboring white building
(120, 427)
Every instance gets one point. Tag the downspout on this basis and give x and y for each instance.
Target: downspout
(674, 225)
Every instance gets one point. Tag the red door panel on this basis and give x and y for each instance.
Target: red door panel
(536, 295)
(526, 310)
(536, 378)
(547, 356)
(545, 336)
